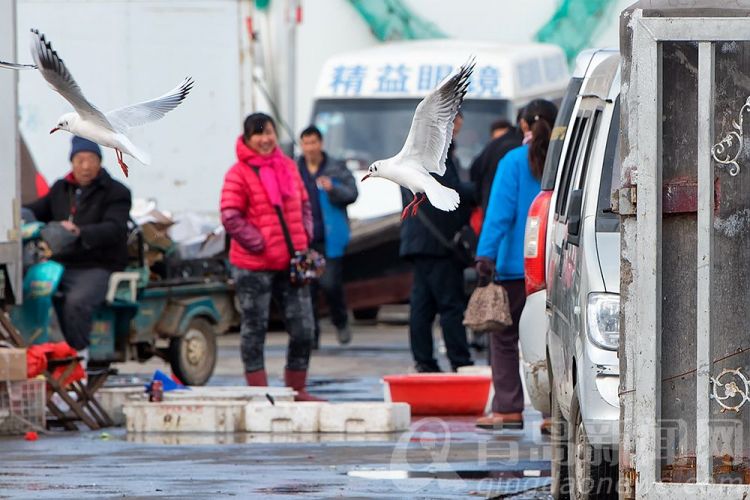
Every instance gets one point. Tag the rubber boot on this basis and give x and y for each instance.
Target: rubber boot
(257, 378)
(296, 380)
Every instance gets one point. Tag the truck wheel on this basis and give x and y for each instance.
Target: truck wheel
(593, 471)
(367, 314)
(560, 487)
(193, 355)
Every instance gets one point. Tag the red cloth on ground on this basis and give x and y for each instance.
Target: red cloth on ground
(38, 357)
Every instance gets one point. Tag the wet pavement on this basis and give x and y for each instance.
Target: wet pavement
(436, 458)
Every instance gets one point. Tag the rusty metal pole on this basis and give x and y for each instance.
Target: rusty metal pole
(10, 186)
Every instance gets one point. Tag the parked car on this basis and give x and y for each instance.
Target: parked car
(570, 324)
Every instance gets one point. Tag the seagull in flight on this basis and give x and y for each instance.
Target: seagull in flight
(106, 129)
(426, 146)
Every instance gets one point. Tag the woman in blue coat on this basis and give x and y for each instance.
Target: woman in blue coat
(500, 252)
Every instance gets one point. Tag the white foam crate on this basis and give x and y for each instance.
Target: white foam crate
(245, 393)
(113, 399)
(185, 416)
(286, 417)
(365, 417)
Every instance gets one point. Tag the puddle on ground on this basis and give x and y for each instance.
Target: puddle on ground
(447, 474)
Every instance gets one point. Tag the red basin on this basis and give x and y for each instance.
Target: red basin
(441, 393)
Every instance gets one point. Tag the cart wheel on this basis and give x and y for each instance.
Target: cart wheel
(193, 356)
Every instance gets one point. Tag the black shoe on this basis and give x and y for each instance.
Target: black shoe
(427, 368)
(344, 335)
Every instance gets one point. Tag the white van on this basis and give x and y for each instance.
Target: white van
(365, 100)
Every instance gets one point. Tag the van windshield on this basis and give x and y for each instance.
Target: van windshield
(361, 131)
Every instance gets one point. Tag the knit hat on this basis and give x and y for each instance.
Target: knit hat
(80, 144)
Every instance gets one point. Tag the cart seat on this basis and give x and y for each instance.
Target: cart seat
(123, 286)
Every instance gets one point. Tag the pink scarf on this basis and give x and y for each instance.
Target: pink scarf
(274, 171)
(527, 137)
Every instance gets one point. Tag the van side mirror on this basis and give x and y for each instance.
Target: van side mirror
(574, 217)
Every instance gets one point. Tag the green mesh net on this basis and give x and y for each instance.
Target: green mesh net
(392, 20)
(573, 25)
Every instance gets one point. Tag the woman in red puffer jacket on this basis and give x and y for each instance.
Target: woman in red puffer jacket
(262, 180)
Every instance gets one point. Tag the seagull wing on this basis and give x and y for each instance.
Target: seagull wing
(149, 111)
(8, 65)
(57, 75)
(431, 130)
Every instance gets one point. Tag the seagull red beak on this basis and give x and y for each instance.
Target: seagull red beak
(365, 177)
(54, 130)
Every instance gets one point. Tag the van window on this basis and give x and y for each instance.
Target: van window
(606, 220)
(569, 166)
(591, 139)
(557, 140)
(578, 178)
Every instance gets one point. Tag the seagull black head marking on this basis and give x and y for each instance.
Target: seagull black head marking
(372, 171)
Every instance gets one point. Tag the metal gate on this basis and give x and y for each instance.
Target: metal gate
(685, 207)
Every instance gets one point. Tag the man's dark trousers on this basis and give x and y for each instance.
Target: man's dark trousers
(332, 285)
(438, 290)
(83, 289)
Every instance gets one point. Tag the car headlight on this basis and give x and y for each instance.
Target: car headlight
(603, 319)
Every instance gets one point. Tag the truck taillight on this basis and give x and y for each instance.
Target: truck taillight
(535, 243)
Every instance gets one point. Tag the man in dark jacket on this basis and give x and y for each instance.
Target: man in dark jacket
(330, 187)
(438, 273)
(94, 209)
(484, 166)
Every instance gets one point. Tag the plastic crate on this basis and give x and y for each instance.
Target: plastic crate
(22, 406)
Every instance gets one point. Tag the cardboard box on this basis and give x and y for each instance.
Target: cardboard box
(12, 364)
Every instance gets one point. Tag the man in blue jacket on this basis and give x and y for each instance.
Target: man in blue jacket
(331, 187)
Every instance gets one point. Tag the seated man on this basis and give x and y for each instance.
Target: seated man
(95, 209)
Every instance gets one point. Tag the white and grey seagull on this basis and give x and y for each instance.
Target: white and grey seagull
(426, 146)
(106, 129)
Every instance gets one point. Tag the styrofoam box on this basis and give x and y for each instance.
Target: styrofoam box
(365, 417)
(232, 393)
(185, 416)
(113, 399)
(283, 417)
